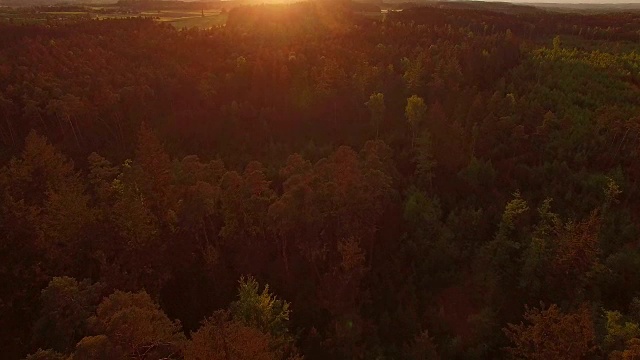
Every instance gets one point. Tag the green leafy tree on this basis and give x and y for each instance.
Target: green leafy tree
(135, 231)
(261, 309)
(95, 348)
(156, 182)
(66, 306)
(429, 247)
(422, 348)
(501, 272)
(552, 334)
(618, 331)
(45, 220)
(414, 72)
(576, 254)
(557, 43)
(537, 256)
(377, 109)
(342, 294)
(245, 199)
(415, 113)
(340, 197)
(425, 162)
(44, 194)
(265, 312)
(138, 327)
(611, 194)
(101, 175)
(46, 355)
(479, 173)
(221, 338)
(631, 352)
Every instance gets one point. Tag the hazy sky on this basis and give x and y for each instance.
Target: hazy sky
(576, 1)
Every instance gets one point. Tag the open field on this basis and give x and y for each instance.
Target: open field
(201, 22)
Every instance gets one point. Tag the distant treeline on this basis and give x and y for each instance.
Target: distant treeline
(25, 3)
(528, 24)
(169, 5)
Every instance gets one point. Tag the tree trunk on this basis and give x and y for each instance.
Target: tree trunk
(73, 130)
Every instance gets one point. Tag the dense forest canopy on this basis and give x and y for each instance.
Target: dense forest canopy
(311, 182)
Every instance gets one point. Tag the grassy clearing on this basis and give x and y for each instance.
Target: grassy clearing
(205, 22)
(373, 15)
(18, 20)
(64, 12)
(114, 16)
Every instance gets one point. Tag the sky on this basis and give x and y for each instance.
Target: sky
(572, 1)
(636, 2)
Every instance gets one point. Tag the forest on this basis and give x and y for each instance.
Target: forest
(309, 182)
